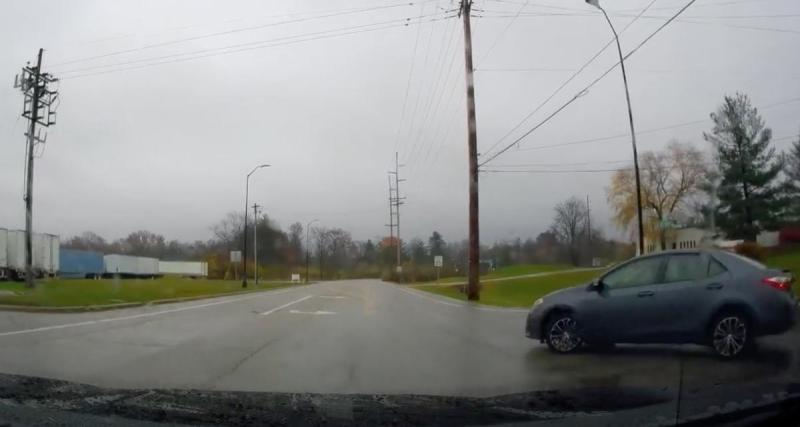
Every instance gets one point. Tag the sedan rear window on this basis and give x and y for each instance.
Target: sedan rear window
(715, 267)
(751, 262)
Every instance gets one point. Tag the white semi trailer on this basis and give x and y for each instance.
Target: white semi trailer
(45, 248)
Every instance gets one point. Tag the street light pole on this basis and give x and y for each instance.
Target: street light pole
(308, 226)
(246, 207)
(596, 4)
(255, 242)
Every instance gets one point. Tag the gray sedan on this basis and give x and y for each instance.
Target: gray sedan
(706, 297)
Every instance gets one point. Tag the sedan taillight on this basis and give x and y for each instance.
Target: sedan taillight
(783, 283)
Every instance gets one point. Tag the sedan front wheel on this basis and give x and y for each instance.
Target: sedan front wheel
(561, 334)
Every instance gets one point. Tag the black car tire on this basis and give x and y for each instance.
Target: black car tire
(561, 333)
(730, 335)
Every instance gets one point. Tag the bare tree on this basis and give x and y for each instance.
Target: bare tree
(569, 224)
(228, 230)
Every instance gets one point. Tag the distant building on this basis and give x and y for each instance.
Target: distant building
(682, 238)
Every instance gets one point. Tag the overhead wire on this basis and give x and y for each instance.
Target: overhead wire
(408, 81)
(237, 45)
(585, 89)
(568, 80)
(233, 31)
(554, 171)
(444, 70)
(419, 93)
(405, 22)
(500, 35)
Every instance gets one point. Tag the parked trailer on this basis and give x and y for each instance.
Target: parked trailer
(78, 264)
(183, 268)
(45, 249)
(130, 266)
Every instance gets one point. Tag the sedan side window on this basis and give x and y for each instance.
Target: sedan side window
(637, 273)
(684, 267)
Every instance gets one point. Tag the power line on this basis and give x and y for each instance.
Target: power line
(528, 165)
(444, 71)
(447, 130)
(585, 90)
(408, 82)
(529, 4)
(555, 171)
(419, 92)
(579, 164)
(568, 80)
(746, 27)
(651, 130)
(233, 31)
(500, 36)
(268, 43)
(238, 45)
(438, 71)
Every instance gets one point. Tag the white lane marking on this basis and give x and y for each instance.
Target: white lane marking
(267, 313)
(138, 316)
(436, 300)
(421, 294)
(315, 313)
(331, 297)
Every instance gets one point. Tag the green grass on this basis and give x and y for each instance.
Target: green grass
(514, 270)
(517, 292)
(84, 292)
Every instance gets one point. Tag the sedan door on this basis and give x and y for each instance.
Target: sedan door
(624, 311)
(681, 297)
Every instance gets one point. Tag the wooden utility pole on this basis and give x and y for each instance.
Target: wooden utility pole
(473, 269)
(39, 109)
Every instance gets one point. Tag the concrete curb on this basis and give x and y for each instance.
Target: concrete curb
(106, 307)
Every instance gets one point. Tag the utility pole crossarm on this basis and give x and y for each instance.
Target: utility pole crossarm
(39, 108)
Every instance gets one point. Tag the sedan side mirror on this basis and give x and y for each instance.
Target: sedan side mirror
(596, 285)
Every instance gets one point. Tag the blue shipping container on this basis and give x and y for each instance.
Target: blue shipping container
(80, 264)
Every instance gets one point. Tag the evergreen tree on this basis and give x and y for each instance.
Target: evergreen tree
(749, 195)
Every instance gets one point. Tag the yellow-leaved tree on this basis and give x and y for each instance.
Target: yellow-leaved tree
(668, 178)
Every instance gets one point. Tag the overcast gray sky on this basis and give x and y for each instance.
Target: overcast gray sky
(147, 140)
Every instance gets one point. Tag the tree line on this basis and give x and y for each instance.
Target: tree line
(334, 254)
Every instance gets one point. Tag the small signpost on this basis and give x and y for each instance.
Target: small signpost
(438, 261)
(236, 258)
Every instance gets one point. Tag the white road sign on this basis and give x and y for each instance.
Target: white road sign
(236, 256)
(438, 261)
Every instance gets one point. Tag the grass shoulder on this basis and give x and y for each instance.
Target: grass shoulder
(517, 292)
(87, 293)
(512, 271)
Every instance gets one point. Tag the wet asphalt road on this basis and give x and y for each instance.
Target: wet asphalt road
(354, 337)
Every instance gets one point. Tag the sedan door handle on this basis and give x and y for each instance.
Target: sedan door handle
(714, 286)
(646, 293)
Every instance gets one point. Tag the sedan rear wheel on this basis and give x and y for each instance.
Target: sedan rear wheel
(562, 334)
(730, 335)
